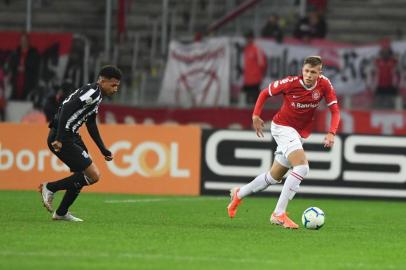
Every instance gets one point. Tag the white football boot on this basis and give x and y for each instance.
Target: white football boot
(47, 196)
(67, 217)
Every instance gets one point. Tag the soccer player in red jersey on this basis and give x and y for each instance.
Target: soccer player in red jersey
(292, 123)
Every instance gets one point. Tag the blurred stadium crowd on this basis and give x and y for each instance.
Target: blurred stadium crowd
(49, 48)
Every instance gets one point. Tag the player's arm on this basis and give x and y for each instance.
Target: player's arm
(67, 109)
(257, 122)
(332, 104)
(335, 121)
(331, 100)
(95, 134)
(275, 88)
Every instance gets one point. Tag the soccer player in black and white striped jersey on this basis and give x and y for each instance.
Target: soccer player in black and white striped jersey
(65, 142)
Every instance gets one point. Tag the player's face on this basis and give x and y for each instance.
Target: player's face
(109, 86)
(311, 74)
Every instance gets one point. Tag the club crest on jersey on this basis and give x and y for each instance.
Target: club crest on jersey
(316, 95)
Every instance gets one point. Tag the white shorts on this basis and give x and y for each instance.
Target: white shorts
(288, 140)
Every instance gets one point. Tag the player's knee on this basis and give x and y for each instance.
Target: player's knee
(96, 177)
(93, 178)
(302, 169)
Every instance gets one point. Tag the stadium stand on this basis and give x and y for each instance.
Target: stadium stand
(352, 21)
(141, 54)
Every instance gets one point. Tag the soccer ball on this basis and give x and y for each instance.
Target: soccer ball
(313, 218)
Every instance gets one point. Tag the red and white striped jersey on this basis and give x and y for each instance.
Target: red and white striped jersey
(300, 102)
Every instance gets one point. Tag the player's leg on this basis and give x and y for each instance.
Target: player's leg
(90, 171)
(70, 155)
(48, 190)
(76, 180)
(291, 151)
(90, 176)
(262, 181)
(259, 183)
(300, 169)
(62, 212)
(74, 155)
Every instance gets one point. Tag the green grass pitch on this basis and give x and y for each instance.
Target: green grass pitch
(162, 232)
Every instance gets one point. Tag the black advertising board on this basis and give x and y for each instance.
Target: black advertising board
(357, 165)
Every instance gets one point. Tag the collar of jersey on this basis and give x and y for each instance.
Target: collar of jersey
(305, 87)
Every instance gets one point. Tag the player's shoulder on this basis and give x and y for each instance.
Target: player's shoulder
(324, 81)
(291, 78)
(286, 81)
(91, 88)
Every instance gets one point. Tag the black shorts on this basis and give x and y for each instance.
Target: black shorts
(251, 93)
(73, 153)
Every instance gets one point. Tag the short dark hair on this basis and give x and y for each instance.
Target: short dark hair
(110, 72)
(313, 60)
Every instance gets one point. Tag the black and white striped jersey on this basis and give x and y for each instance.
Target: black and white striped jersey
(76, 109)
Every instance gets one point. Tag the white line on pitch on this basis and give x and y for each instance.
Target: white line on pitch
(154, 200)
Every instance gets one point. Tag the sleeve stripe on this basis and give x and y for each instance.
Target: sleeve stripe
(332, 102)
(87, 94)
(269, 90)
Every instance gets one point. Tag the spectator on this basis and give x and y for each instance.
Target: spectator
(24, 66)
(272, 29)
(312, 26)
(74, 69)
(386, 76)
(254, 69)
(54, 101)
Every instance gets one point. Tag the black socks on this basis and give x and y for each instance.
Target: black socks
(72, 184)
(67, 200)
(75, 181)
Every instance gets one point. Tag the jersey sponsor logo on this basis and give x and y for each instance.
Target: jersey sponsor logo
(306, 105)
(283, 81)
(275, 84)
